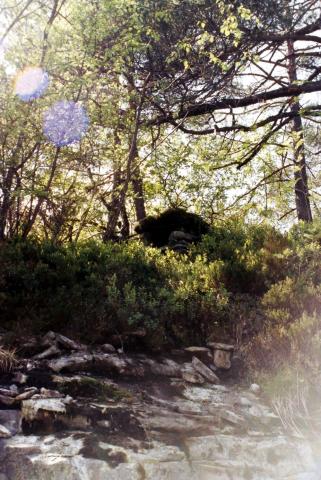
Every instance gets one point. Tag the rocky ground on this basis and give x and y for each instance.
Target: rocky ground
(71, 412)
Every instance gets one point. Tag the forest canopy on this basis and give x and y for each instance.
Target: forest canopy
(112, 110)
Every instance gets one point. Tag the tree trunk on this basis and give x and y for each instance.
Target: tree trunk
(301, 189)
(138, 188)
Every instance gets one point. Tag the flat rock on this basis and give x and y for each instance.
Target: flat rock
(197, 350)
(221, 346)
(206, 372)
(72, 363)
(31, 408)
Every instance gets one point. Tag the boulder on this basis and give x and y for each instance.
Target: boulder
(206, 372)
(72, 363)
(56, 338)
(222, 354)
(255, 388)
(222, 359)
(108, 348)
(50, 352)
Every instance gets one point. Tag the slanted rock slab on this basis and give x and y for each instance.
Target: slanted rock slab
(206, 372)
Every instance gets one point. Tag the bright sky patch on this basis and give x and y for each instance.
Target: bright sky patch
(65, 123)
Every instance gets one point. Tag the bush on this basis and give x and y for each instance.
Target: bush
(93, 290)
(252, 256)
(291, 330)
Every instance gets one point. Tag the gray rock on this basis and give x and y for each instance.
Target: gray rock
(108, 348)
(11, 419)
(51, 352)
(72, 363)
(206, 372)
(7, 392)
(35, 408)
(255, 388)
(191, 376)
(222, 359)
(7, 400)
(27, 394)
(47, 393)
(221, 346)
(4, 432)
(52, 338)
(20, 378)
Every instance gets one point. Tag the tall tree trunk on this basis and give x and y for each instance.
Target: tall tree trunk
(6, 201)
(138, 188)
(302, 201)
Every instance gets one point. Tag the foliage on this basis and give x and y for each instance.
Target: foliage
(98, 289)
(252, 254)
(291, 329)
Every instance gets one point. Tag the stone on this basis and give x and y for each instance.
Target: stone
(203, 353)
(108, 348)
(72, 363)
(255, 388)
(222, 359)
(20, 378)
(232, 417)
(14, 389)
(7, 392)
(196, 350)
(206, 372)
(47, 393)
(7, 400)
(167, 367)
(68, 343)
(51, 337)
(221, 346)
(11, 419)
(50, 352)
(4, 432)
(35, 408)
(27, 394)
(192, 377)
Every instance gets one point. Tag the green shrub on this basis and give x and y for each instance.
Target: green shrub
(92, 290)
(252, 256)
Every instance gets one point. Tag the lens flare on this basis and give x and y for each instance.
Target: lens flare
(65, 123)
(31, 83)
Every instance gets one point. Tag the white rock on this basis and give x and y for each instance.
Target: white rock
(4, 432)
(30, 408)
(255, 388)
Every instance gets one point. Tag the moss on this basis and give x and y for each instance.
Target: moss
(94, 388)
